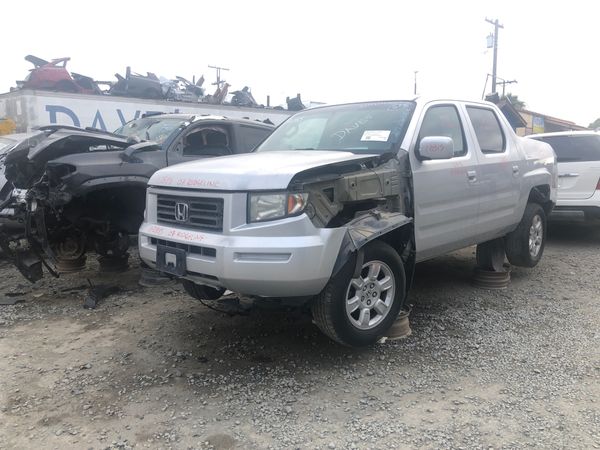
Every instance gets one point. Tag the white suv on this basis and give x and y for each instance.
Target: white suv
(578, 155)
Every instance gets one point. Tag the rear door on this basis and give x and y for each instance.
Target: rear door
(500, 172)
(446, 190)
(578, 158)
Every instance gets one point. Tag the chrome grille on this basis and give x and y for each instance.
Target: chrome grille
(203, 213)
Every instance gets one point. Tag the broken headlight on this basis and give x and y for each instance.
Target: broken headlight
(275, 205)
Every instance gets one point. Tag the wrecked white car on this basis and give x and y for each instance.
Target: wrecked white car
(335, 208)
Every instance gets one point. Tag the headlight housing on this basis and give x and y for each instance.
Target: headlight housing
(275, 205)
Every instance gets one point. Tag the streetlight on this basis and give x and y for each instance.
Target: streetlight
(416, 72)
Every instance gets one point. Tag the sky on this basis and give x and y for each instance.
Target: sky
(329, 51)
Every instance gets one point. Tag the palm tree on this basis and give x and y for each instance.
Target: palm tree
(514, 100)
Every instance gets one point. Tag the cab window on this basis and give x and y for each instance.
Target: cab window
(487, 129)
(250, 137)
(443, 120)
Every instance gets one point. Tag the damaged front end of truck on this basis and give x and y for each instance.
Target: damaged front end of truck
(68, 191)
(370, 199)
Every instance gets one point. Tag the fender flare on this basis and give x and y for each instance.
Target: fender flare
(363, 230)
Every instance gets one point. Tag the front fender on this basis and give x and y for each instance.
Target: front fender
(365, 229)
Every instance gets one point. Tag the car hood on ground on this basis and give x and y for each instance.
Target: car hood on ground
(248, 172)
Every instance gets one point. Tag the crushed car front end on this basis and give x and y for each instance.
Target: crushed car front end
(68, 191)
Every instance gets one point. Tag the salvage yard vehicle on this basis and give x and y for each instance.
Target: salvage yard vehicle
(7, 143)
(335, 207)
(136, 85)
(54, 76)
(79, 189)
(578, 156)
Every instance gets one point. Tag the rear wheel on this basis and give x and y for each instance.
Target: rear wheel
(525, 245)
(358, 311)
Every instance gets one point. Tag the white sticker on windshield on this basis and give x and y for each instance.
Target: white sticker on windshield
(375, 135)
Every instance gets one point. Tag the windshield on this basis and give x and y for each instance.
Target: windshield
(572, 148)
(374, 127)
(156, 129)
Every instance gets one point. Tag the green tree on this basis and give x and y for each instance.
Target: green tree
(514, 100)
(595, 124)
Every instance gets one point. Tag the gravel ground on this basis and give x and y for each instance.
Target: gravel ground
(153, 368)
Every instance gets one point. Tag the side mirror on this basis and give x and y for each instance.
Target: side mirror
(435, 147)
(129, 152)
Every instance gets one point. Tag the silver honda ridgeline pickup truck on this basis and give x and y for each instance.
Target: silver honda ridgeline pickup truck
(336, 207)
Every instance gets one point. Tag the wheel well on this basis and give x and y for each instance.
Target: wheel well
(120, 206)
(399, 238)
(402, 240)
(541, 195)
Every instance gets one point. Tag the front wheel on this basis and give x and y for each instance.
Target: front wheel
(358, 311)
(525, 245)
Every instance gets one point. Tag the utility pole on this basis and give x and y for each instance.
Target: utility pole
(416, 72)
(219, 82)
(504, 83)
(497, 25)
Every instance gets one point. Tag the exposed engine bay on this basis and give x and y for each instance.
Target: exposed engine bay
(57, 209)
(372, 197)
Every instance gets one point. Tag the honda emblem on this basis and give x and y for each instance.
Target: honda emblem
(182, 212)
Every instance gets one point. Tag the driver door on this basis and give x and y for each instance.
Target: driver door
(446, 191)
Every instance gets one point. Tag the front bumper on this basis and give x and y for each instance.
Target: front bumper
(283, 258)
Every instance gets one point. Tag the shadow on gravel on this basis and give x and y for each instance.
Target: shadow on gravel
(289, 340)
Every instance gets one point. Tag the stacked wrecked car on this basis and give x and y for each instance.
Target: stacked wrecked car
(53, 76)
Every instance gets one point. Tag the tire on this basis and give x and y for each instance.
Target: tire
(525, 245)
(344, 321)
(201, 292)
(490, 255)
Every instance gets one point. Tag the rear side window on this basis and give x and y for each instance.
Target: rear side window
(574, 148)
(443, 120)
(487, 129)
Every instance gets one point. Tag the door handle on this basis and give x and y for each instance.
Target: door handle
(568, 175)
(471, 176)
(515, 170)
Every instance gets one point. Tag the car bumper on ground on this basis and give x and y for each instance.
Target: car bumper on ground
(287, 266)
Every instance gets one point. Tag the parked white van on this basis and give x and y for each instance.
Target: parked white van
(578, 156)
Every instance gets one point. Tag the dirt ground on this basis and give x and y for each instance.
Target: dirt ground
(153, 368)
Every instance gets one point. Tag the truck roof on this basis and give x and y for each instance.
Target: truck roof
(198, 117)
(418, 99)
